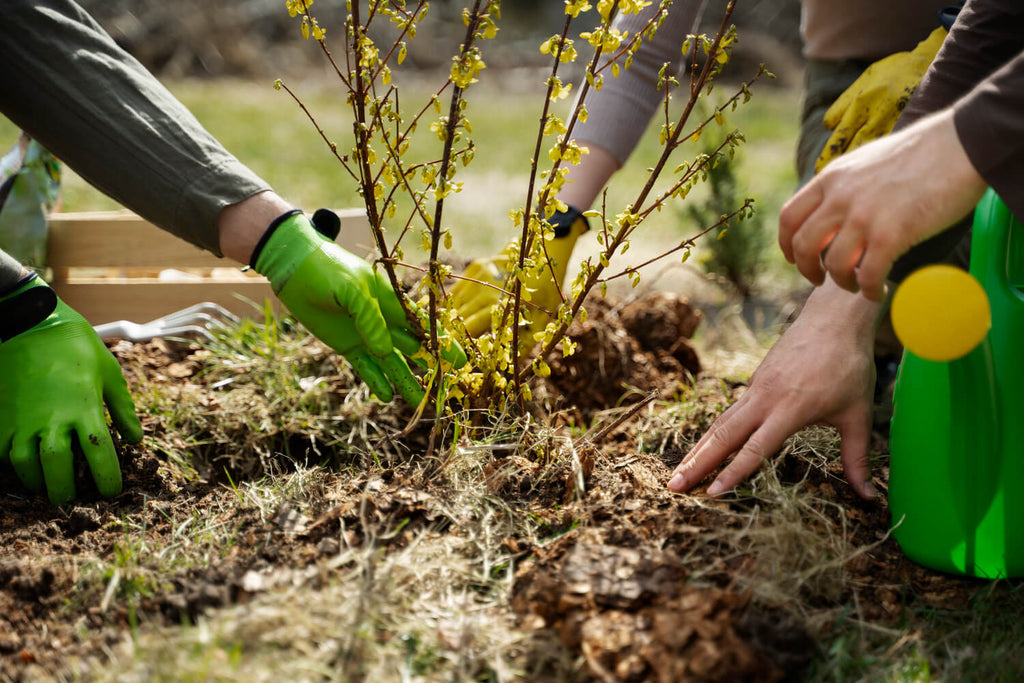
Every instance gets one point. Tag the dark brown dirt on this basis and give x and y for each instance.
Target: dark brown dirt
(625, 354)
(640, 583)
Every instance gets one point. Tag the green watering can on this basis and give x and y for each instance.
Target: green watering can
(956, 474)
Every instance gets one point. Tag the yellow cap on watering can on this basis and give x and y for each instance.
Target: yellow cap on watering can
(940, 313)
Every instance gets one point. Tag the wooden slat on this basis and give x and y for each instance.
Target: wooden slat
(81, 244)
(113, 240)
(141, 301)
(120, 239)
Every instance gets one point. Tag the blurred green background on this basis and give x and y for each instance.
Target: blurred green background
(266, 130)
(223, 68)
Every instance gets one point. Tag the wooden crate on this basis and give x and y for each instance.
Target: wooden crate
(113, 265)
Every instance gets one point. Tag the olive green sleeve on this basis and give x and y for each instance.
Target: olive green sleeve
(65, 82)
(10, 273)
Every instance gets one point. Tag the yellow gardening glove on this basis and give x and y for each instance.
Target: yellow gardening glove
(474, 301)
(868, 109)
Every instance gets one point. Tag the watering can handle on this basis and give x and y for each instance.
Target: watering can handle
(990, 241)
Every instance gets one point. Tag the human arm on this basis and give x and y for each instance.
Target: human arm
(585, 180)
(68, 84)
(617, 116)
(136, 142)
(977, 81)
(619, 113)
(819, 372)
(872, 205)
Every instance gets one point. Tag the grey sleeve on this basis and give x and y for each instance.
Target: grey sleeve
(65, 82)
(618, 114)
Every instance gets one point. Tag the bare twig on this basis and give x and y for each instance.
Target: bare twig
(607, 429)
(627, 225)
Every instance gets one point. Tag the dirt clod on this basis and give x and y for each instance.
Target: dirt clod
(632, 617)
(624, 355)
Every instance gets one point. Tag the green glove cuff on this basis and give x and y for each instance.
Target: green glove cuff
(288, 240)
(284, 246)
(268, 232)
(30, 303)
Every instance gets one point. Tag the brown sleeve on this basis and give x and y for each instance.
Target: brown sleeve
(990, 123)
(980, 72)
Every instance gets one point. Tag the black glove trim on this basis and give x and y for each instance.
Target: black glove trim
(947, 15)
(327, 223)
(270, 231)
(25, 310)
(19, 284)
(562, 221)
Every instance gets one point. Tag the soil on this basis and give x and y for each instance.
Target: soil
(637, 583)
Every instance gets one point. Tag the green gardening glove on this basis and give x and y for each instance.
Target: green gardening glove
(55, 377)
(342, 300)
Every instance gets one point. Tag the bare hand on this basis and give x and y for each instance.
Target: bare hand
(870, 206)
(820, 371)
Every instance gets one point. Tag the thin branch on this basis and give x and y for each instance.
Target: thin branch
(442, 179)
(673, 141)
(513, 307)
(598, 436)
(334, 148)
(688, 243)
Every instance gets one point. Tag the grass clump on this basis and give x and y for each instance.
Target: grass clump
(263, 397)
(415, 592)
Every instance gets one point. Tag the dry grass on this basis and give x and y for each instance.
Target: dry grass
(434, 605)
(801, 538)
(368, 562)
(389, 600)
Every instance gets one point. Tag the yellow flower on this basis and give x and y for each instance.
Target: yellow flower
(466, 68)
(297, 7)
(632, 6)
(574, 7)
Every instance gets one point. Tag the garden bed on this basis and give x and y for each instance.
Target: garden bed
(272, 527)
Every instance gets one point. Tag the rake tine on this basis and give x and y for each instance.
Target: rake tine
(195, 319)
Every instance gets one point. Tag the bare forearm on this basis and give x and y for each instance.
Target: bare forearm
(241, 225)
(831, 309)
(586, 180)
